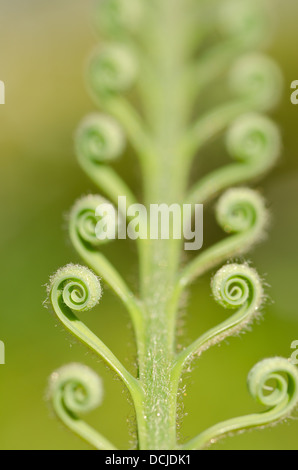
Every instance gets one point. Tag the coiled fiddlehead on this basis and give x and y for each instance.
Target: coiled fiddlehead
(100, 140)
(243, 19)
(76, 289)
(257, 77)
(112, 69)
(255, 82)
(240, 212)
(241, 25)
(84, 218)
(75, 390)
(281, 401)
(83, 222)
(238, 286)
(254, 141)
(234, 287)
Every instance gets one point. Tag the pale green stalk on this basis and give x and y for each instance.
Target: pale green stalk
(151, 46)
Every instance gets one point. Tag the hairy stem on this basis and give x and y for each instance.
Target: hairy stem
(160, 258)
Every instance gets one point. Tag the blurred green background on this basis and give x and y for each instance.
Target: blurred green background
(43, 48)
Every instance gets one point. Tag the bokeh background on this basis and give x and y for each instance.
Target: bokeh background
(43, 48)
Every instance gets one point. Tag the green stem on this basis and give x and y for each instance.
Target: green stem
(165, 184)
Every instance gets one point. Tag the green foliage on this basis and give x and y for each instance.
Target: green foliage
(152, 49)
